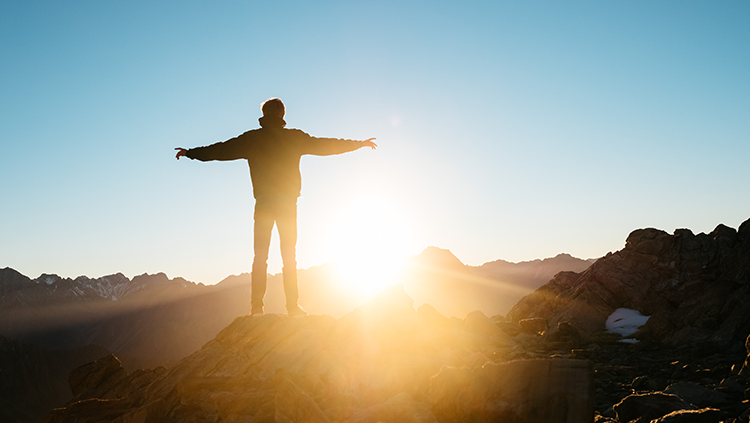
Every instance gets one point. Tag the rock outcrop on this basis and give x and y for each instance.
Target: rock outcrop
(695, 288)
(385, 361)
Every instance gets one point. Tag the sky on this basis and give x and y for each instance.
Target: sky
(506, 129)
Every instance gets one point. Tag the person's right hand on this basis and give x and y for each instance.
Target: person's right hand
(180, 152)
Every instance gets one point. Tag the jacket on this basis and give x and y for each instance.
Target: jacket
(273, 154)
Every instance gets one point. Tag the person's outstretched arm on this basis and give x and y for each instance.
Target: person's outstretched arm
(232, 149)
(329, 146)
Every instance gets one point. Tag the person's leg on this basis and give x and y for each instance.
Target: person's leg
(286, 222)
(261, 241)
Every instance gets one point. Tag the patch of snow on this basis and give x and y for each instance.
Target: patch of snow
(111, 287)
(625, 322)
(49, 280)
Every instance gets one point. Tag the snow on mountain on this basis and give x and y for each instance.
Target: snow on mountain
(17, 288)
(112, 287)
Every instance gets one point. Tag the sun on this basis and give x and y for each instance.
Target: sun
(368, 239)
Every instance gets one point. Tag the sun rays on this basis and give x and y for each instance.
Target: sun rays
(368, 239)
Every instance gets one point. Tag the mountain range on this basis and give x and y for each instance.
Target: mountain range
(152, 320)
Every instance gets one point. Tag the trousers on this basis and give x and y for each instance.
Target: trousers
(282, 212)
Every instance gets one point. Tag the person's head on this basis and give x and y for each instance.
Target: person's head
(273, 107)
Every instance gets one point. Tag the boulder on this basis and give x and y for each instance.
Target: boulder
(96, 379)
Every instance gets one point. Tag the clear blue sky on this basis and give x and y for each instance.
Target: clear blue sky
(507, 130)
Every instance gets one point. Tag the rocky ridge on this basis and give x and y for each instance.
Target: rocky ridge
(695, 288)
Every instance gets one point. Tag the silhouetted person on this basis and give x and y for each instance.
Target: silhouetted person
(273, 153)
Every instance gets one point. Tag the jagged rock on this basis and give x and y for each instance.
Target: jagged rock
(706, 415)
(94, 380)
(557, 390)
(694, 287)
(639, 408)
(107, 379)
(103, 387)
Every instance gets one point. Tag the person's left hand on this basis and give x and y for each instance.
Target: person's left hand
(180, 152)
(369, 143)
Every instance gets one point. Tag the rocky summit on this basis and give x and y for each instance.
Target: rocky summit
(385, 361)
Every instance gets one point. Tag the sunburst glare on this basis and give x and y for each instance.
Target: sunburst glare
(368, 239)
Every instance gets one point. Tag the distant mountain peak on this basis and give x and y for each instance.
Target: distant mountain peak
(438, 258)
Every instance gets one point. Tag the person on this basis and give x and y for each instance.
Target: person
(273, 153)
